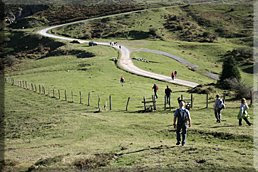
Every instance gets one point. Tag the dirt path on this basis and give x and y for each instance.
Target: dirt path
(125, 61)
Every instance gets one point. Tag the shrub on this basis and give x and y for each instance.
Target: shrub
(242, 90)
(229, 71)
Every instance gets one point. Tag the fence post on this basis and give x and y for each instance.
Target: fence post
(191, 100)
(43, 88)
(207, 100)
(154, 102)
(59, 96)
(165, 102)
(224, 97)
(12, 81)
(32, 88)
(99, 103)
(26, 86)
(251, 98)
(144, 103)
(65, 95)
(182, 97)
(89, 99)
(35, 87)
(39, 89)
(110, 102)
(127, 104)
(72, 96)
(80, 97)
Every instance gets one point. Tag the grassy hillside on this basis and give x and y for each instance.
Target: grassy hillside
(71, 136)
(43, 132)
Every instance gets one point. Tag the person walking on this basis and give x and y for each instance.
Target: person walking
(218, 106)
(181, 117)
(175, 73)
(155, 89)
(122, 80)
(243, 112)
(168, 92)
(172, 76)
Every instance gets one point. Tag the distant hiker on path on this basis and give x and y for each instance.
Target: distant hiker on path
(218, 106)
(243, 112)
(175, 73)
(172, 76)
(122, 80)
(168, 92)
(155, 89)
(181, 116)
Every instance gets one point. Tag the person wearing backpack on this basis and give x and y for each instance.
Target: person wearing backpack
(218, 106)
(243, 112)
(155, 89)
(181, 117)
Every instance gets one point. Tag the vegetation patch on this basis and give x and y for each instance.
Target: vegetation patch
(97, 161)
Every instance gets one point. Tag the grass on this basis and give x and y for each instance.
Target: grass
(71, 136)
(43, 132)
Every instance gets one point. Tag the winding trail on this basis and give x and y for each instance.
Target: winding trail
(125, 62)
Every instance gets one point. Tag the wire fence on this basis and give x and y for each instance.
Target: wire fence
(114, 102)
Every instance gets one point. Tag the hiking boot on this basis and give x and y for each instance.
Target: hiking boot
(183, 144)
(177, 143)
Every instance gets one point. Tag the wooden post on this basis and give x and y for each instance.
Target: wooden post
(127, 104)
(39, 89)
(251, 98)
(110, 102)
(72, 96)
(89, 99)
(32, 88)
(154, 103)
(224, 97)
(65, 95)
(144, 103)
(80, 97)
(99, 103)
(59, 96)
(207, 100)
(53, 91)
(26, 85)
(43, 89)
(35, 87)
(182, 97)
(12, 81)
(165, 102)
(191, 100)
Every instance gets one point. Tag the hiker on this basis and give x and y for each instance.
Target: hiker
(122, 80)
(243, 112)
(172, 75)
(168, 91)
(218, 106)
(120, 46)
(155, 89)
(175, 73)
(181, 116)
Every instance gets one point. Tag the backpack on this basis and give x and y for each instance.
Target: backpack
(221, 104)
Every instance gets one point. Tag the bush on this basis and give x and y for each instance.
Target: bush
(229, 71)
(242, 91)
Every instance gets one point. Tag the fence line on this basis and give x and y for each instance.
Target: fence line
(146, 102)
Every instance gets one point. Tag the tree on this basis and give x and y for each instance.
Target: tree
(230, 71)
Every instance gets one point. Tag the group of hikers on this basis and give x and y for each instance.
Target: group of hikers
(182, 118)
(173, 75)
(115, 44)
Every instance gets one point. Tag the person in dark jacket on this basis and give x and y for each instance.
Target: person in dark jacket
(155, 89)
(181, 117)
(168, 92)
